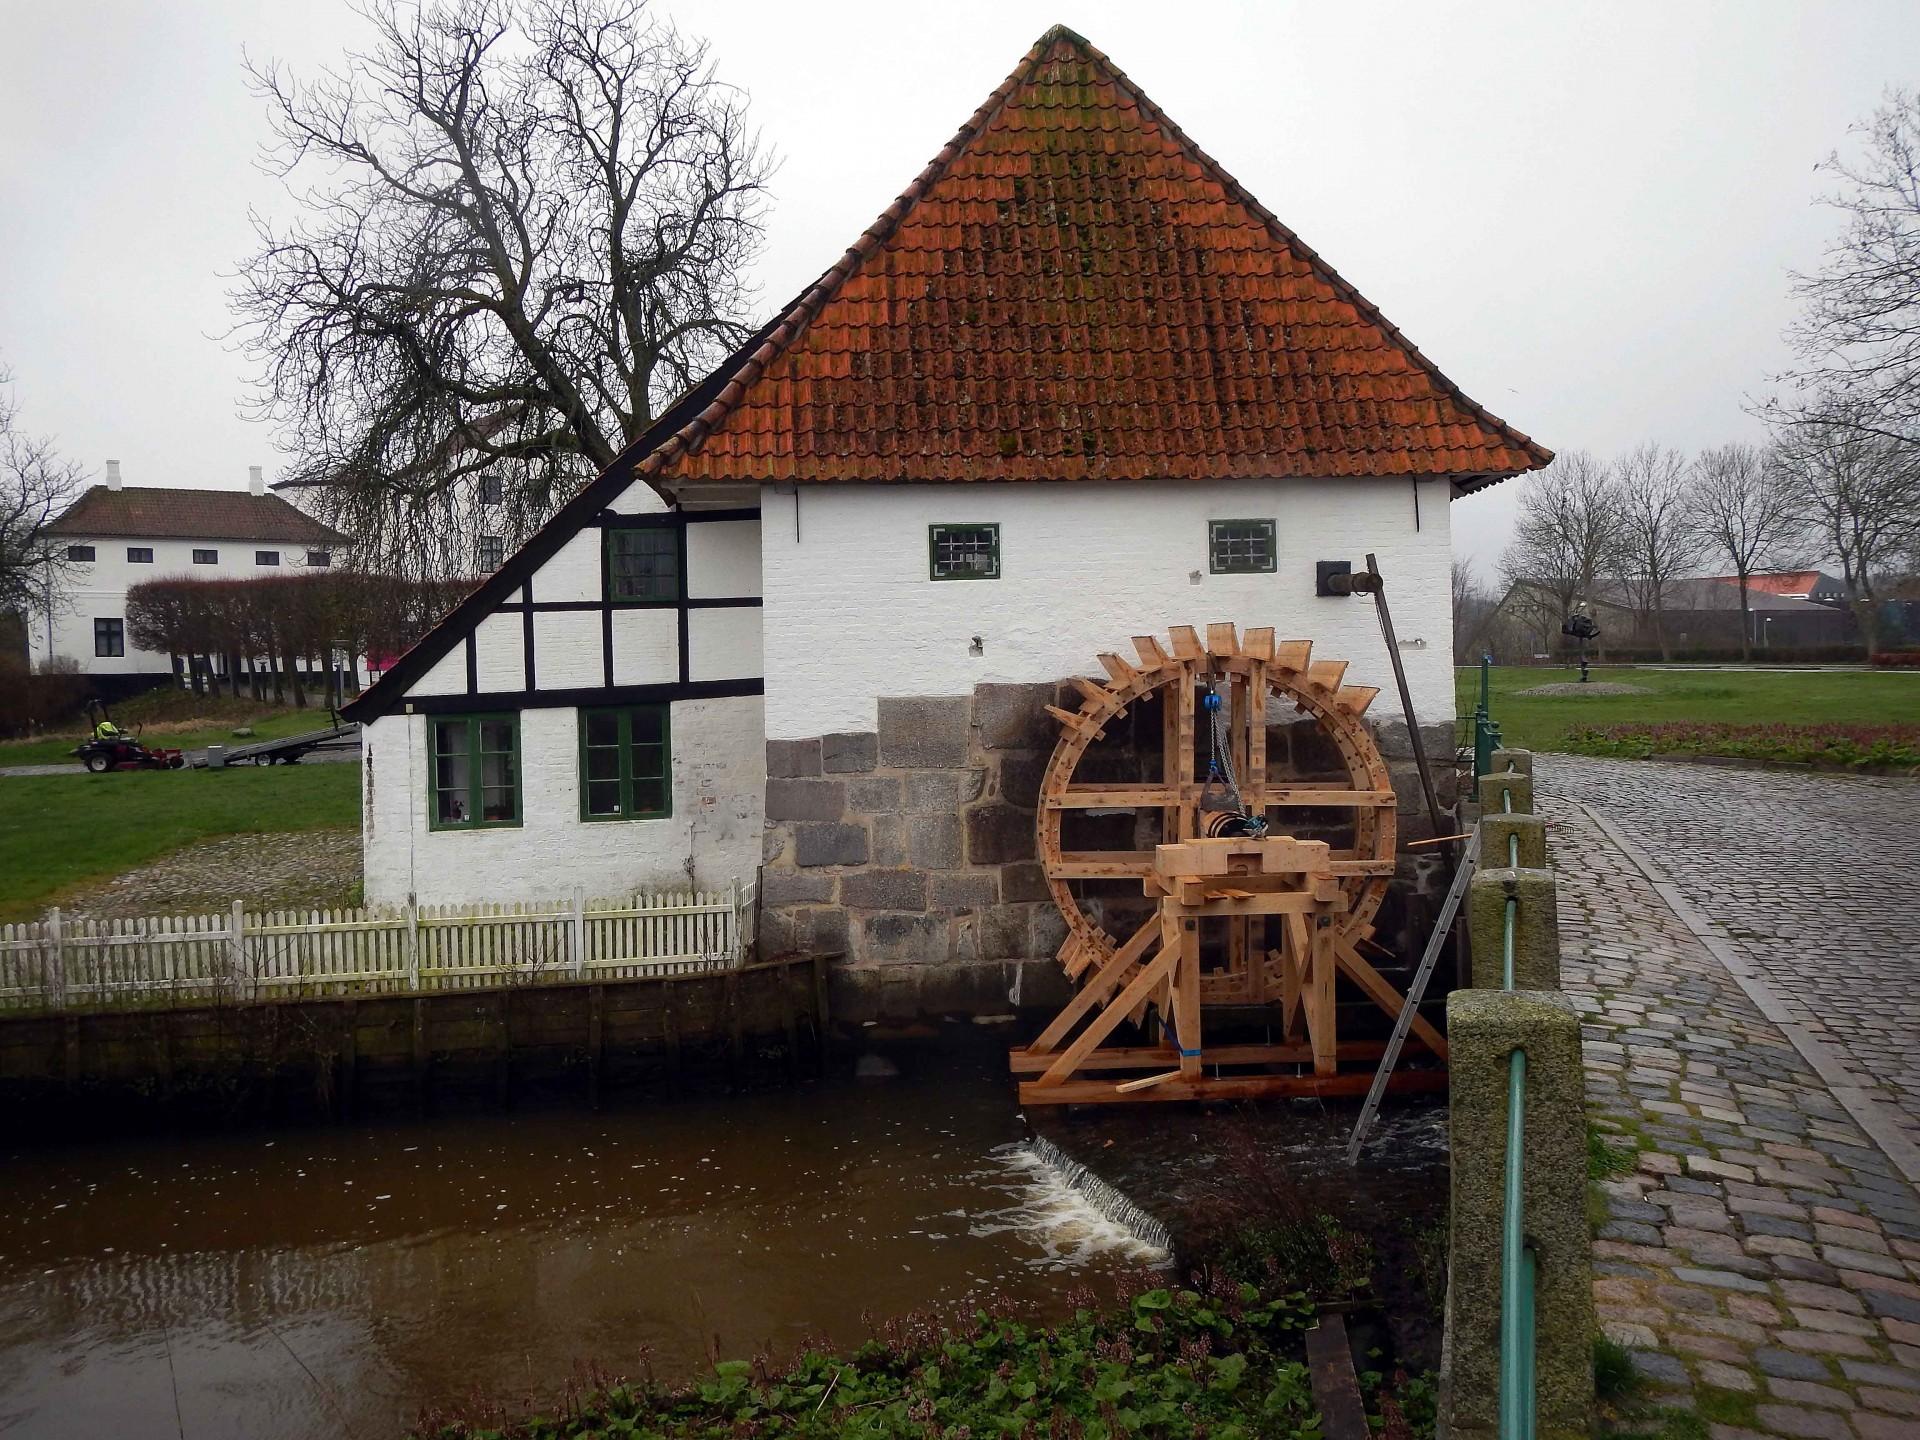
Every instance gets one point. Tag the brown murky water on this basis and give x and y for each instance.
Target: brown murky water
(291, 1284)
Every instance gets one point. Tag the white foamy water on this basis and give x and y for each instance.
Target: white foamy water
(1072, 1215)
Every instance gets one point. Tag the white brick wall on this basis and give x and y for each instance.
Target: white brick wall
(719, 783)
(851, 615)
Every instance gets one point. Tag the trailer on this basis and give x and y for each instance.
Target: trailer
(290, 750)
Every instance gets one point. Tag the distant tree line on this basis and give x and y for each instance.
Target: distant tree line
(1837, 483)
(259, 629)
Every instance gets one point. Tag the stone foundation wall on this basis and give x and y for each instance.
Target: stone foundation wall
(910, 850)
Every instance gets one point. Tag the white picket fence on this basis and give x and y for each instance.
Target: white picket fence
(63, 962)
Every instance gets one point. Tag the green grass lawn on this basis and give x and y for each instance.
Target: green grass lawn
(1733, 697)
(58, 831)
(190, 734)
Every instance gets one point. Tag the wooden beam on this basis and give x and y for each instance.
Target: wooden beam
(1293, 654)
(1223, 639)
(1089, 689)
(1149, 1057)
(1383, 994)
(1327, 674)
(1101, 865)
(1152, 656)
(1257, 643)
(1321, 1019)
(1356, 698)
(1117, 668)
(1231, 1087)
(1109, 1019)
(1186, 643)
(1098, 988)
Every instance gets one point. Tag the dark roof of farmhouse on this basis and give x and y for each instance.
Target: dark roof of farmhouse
(1074, 290)
(167, 513)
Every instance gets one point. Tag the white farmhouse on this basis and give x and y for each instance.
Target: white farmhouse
(116, 537)
(1075, 384)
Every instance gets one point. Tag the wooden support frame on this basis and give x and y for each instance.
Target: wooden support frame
(1288, 922)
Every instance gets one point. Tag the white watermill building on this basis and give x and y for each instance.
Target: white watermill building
(1074, 384)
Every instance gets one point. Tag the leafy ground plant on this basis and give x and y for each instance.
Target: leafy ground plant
(1166, 1363)
(1850, 746)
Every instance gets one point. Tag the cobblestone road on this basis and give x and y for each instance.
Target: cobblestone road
(1815, 879)
(1761, 1260)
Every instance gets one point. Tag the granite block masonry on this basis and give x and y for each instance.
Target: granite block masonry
(912, 846)
(1484, 1029)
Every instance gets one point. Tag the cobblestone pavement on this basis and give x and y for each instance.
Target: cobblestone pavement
(1762, 1260)
(298, 870)
(1814, 879)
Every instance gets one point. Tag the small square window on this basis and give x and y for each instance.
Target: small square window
(266, 557)
(1240, 547)
(963, 552)
(109, 638)
(493, 489)
(320, 559)
(643, 565)
(206, 557)
(79, 552)
(490, 554)
(139, 554)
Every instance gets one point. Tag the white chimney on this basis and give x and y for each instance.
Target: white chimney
(113, 474)
(256, 480)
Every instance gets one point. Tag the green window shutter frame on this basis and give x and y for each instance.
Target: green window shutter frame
(465, 731)
(633, 774)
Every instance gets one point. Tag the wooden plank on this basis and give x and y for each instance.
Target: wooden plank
(1319, 999)
(1118, 669)
(1186, 642)
(1230, 1087)
(1284, 902)
(1129, 1087)
(1309, 795)
(1146, 1057)
(1257, 642)
(1109, 1019)
(1327, 674)
(1356, 698)
(1186, 996)
(1223, 639)
(1336, 1389)
(1383, 994)
(1293, 654)
(1100, 865)
(1098, 988)
(1152, 656)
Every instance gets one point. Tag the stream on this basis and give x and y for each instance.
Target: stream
(296, 1283)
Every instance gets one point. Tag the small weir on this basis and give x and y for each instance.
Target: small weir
(1073, 1202)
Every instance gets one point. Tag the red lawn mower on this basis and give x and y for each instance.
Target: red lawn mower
(111, 748)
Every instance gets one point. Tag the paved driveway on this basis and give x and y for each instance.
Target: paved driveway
(1813, 878)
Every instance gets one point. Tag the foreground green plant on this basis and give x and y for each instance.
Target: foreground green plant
(1166, 1364)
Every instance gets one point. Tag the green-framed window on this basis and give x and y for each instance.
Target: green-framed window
(626, 763)
(473, 775)
(642, 564)
(1241, 547)
(963, 552)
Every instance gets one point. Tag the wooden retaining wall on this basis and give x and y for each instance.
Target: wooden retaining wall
(72, 1071)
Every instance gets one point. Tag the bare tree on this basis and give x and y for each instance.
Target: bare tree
(528, 227)
(1660, 540)
(1473, 612)
(1858, 334)
(1858, 491)
(36, 485)
(1566, 537)
(1746, 516)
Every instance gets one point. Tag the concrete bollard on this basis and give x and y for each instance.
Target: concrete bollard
(1531, 830)
(1484, 1028)
(1502, 782)
(1520, 760)
(1536, 928)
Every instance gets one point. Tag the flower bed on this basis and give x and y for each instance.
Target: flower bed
(1853, 747)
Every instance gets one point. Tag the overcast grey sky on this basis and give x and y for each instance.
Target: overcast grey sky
(1584, 213)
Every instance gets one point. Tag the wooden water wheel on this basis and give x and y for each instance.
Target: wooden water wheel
(1249, 915)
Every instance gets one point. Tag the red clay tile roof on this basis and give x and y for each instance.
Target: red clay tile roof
(1786, 582)
(177, 514)
(1073, 290)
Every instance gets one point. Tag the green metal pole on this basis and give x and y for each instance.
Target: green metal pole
(1516, 1293)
